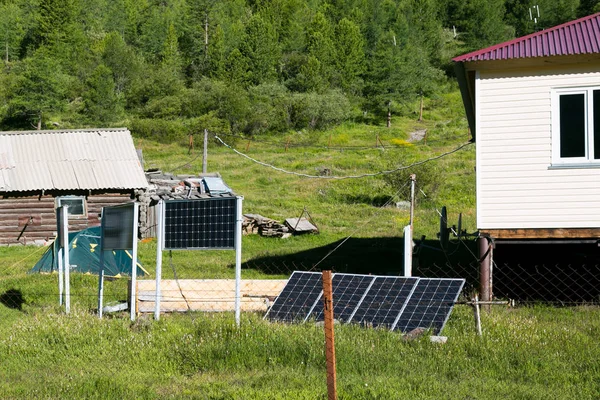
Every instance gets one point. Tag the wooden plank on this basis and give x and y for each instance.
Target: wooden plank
(302, 225)
(30, 220)
(559, 233)
(211, 295)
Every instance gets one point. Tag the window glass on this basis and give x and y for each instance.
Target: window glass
(75, 204)
(572, 125)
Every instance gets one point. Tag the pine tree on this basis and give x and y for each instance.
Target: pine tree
(261, 50)
(350, 60)
(12, 30)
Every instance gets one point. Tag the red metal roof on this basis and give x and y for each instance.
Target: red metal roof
(581, 36)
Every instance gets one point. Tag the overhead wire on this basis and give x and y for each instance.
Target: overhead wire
(401, 168)
(387, 203)
(328, 147)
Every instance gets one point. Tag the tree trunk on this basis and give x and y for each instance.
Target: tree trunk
(39, 124)
(389, 116)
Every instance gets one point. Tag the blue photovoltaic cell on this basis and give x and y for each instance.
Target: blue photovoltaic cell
(397, 303)
(384, 301)
(430, 305)
(200, 224)
(297, 298)
(348, 291)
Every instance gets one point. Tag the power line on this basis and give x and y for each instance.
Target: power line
(343, 177)
(387, 203)
(341, 148)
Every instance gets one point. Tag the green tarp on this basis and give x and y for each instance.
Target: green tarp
(84, 256)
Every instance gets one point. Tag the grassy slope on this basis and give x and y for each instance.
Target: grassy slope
(525, 353)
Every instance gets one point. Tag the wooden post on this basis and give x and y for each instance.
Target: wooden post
(205, 152)
(287, 144)
(389, 116)
(485, 268)
(477, 315)
(247, 145)
(329, 141)
(191, 144)
(413, 181)
(329, 336)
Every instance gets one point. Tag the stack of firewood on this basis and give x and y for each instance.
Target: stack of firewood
(257, 224)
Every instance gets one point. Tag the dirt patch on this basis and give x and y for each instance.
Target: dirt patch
(417, 135)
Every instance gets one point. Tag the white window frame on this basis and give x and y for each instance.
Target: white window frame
(574, 162)
(83, 202)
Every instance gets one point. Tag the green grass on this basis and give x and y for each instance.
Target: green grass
(525, 353)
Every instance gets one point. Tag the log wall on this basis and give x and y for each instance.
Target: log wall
(30, 218)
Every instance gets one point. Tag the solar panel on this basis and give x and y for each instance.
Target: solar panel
(397, 303)
(200, 223)
(117, 227)
(384, 301)
(430, 305)
(348, 291)
(297, 298)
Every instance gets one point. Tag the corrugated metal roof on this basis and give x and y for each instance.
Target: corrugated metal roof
(88, 159)
(581, 36)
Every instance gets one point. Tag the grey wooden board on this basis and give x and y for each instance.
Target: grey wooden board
(303, 226)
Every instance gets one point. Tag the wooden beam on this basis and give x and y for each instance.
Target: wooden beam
(544, 233)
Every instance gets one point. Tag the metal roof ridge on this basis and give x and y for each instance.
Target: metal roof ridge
(523, 39)
(59, 131)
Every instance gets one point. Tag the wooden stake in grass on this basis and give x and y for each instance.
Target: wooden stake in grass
(329, 336)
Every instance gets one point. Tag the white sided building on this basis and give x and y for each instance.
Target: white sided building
(533, 106)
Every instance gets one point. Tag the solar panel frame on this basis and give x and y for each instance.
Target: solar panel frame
(378, 308)
(343, 308)
(200, 224)
(441, 306)
(296, 305)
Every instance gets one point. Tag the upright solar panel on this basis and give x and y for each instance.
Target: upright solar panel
(383, 302)
(297, 298)
(430, 305)
(348, 292)
(200, 223)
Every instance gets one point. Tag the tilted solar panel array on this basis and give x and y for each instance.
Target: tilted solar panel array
(396, 303)
(297, 299)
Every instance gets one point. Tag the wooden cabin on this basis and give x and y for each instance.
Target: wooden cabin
(84, 169)
(533, 107)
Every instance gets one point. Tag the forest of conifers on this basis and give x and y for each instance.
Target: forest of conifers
(171, 67)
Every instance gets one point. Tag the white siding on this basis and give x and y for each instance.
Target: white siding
(515, 186)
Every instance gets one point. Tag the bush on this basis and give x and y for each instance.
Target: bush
(161, 130)
(318, 111)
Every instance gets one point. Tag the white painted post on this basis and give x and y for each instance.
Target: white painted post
(134, 261)
(238, 259)
(101, 280)
(60, 272)
(408, 249)
(67, 265)
(58, 243)
(159, 237)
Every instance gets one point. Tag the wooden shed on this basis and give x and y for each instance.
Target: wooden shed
(533, 105)
(84, 169)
